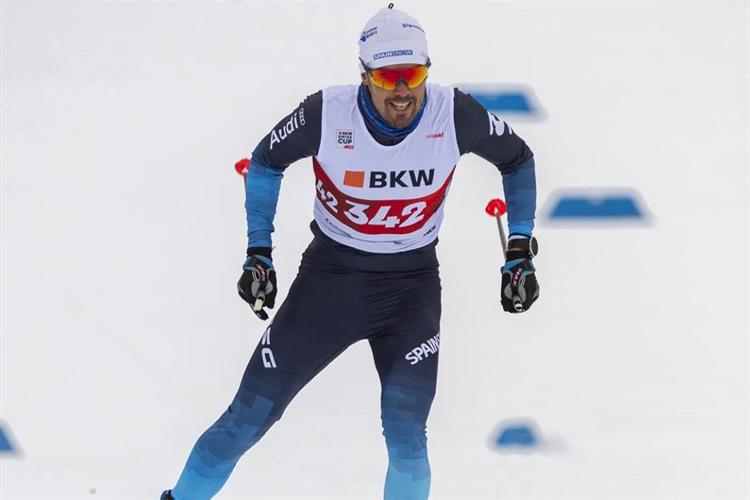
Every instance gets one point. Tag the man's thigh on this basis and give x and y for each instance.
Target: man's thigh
(405, 349)
(317, 321)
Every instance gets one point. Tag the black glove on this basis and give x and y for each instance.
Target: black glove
(257, 285)
(519, 287)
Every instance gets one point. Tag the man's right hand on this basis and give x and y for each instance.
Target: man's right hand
(257, 285)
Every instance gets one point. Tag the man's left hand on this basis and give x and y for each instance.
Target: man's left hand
(519, 285)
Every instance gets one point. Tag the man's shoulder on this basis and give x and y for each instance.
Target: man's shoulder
(443, 89)
(467, 103)
(437, 91)
(439, 100)
(340, 92)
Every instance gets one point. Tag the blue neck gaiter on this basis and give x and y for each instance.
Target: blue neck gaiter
(377, 125)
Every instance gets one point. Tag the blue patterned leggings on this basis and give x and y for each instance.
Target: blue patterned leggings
(339, 297)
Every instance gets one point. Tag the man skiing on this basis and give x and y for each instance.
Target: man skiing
(383, 153)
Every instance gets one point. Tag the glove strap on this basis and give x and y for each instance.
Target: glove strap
(522, 248)
(263, 251)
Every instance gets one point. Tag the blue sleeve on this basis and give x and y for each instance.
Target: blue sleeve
(262, 186)
(519, 185)
(295, 137)
(484, 134)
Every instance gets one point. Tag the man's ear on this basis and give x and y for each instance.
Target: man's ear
(364, 79)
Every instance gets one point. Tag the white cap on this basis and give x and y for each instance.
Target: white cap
(392, 37)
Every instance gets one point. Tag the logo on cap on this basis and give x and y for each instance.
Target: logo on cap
(393, 53)
(368, 33)
(409, 25)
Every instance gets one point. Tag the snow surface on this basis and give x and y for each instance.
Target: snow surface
(123, 234)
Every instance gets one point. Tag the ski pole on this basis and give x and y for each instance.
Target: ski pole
(496, 208)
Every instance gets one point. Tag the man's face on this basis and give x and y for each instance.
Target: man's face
(398, 106)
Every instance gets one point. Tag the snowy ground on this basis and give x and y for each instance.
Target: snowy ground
(123, 234)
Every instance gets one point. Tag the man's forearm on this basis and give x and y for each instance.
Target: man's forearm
(262, 187)
(519, 185)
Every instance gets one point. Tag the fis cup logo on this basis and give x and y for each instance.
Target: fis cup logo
(345, 139)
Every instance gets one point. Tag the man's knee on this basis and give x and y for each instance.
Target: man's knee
(244, 423)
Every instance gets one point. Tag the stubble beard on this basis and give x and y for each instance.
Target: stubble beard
(397, 119)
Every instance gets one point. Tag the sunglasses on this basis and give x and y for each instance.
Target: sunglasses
(388, 78)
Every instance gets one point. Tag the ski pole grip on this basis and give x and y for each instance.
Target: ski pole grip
(259, 301)
(517, 304)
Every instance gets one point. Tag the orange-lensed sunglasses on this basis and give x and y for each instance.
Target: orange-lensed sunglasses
(388, 78)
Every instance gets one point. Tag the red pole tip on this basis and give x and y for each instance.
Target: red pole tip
(241, 166)
(495, 207)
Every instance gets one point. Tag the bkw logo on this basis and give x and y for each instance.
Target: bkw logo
(397, 178)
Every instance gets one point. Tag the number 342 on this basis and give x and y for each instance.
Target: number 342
(357, 212)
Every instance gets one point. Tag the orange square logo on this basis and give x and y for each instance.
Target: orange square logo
(354, 178)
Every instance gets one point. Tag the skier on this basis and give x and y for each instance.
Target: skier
(383, 154)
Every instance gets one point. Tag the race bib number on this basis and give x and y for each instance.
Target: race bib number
(377, 216)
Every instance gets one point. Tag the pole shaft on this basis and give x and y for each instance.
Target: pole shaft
(503, 239)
